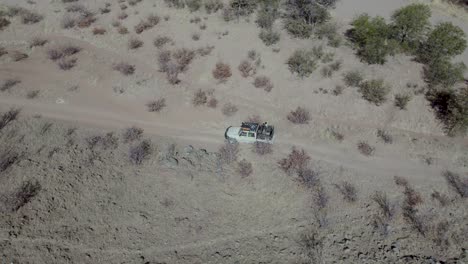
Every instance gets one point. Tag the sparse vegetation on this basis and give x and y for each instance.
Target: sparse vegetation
(160, 41)
(132, 134)
(384, 136)
(4, 23)
(8, 117)
(25, 193)
(63, 51)
(124, 68)
(353, 78)
(299, 116)
(402, 100)
(263, 82)
(365, 148)
(151, 21)
(228, 152)
(140, 152)
(374, 91)
(302, 63)
(244, 168)
(18, 55)
(456, 183)
(229, 109)
(262, 148)
(156, 105)
(8, 84)
(246, 69)
(222, 72)
(269, 36)
(451, 108)
(348, 190)
(99, 31)
(295, 162)
(67, 63)
(200, 98)
(134, 43)
(212, 6)
(37, 42)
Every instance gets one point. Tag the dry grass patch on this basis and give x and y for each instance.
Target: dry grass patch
(263, 82)
(161, 41)
(365, 149)
(134, 43)
(199, 98)
(299, 116)
(8, 117)
(37, 42)
(139, 153)
(18, 55)
(132, 134)
(295, 162)
(246, 69)
(156, 105)
(456, 183)
(222, 72)
(124, 68)
(348, 190)
(99, 31)
(8, 84)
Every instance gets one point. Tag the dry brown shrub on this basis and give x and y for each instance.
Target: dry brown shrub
(18, 56)
(156, 105)
(4, 23)
(122, 30)
(8, 84)
(263, 82)
(183, 57)
(24, 194)
(365, 149)
(308, 178)
(246, 69)
(7, 159)
(222, 72)
(160, 41)
(228, 152)
(400, 181)
(212, 103)
(262, 148)
(86, 21)
(134, 43)
(299, 116)
(443, 199)
(122, 16)
(132, 133)
(229, 109)
(140, 152)
(348, 190)
(387, 209)
(37, 42)
(124, 68)
(245, 168)
(457, 183)
(67, 63)
(99, 31)
(296, 161)
(8, 117)
(200, 98)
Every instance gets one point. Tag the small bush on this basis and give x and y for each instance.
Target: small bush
(156, 105)
(228, 152)
(8, 84)
(299, 116)
(327, 30)
(296, 161)
(140, 152)
(86, 20)
(122, 16)
(353, 78)
(262, 148)
(8, 117)
(384, 136)
(336, 66)
(443, 199)
(160, 41)
(68, 22)
(269, 36)
(135, 43)
(263, 82)
(25, 193)
(455, 182)
(4, 23)
(122, 30)
(338, 90)
(222, 72)
(18, 56)
(374, 91)
(308, 178)
(29, 17)
(402, 100)
(67, 63)
(229, 109)
(444, 73)
(37, 42)
(61, 52)
(212, 6)
(194, 5)
(246, 69)
(327, 72)
(302, 63)
(212, 103)
(199, 98)
(99, 31)
(365, 148)
(387, 209)
(298, 28)
(132, 133)
(244, 168)
(124, 68)
(348, 190)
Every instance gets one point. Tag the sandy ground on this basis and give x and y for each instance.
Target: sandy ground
(113, 212)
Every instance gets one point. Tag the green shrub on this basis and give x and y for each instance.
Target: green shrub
(374, 91)
(327, 30)
(302, 63)
(444, 73)
(451, 108)
(298, 28)
(194, 5)
(402, 100)
(409, 25)
(212, 6)
(242, 7)
(269, 37)
(445, 41)
(266, 17)
(353, 78)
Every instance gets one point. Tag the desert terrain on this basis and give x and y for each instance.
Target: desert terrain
(107, 156)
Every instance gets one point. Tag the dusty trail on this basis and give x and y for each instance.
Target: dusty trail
(387, 164)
